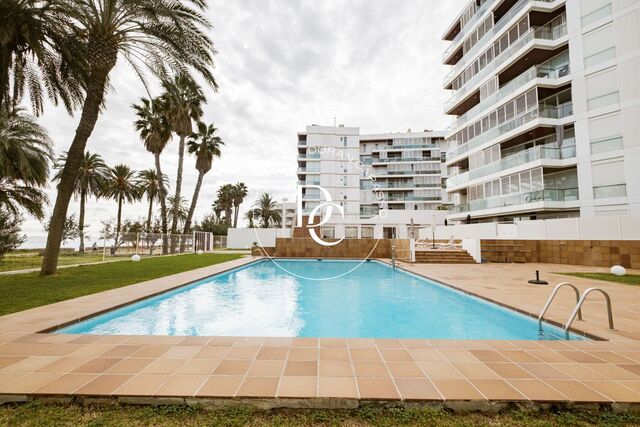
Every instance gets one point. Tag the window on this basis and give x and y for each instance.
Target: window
(366, 232)
(328, 232)
(351, 232)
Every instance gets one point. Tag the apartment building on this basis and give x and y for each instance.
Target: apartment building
(368, 173)
(546, 109)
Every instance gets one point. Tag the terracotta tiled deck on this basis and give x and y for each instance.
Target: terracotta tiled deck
(328, 372)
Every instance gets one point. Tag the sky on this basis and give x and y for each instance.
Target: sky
(281, 65)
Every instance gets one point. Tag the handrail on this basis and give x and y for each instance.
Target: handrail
(552, 296)
(579, 305)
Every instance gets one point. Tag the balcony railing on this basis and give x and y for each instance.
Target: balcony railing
(313, 156)
(387, 173)
(406, 159)
(413, 199)
(308, 170)
(309, 182)
(542, 33)
(543, 111)
(542, 71)
(521, 158)
(547, 195)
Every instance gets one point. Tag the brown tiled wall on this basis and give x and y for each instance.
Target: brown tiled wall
(300, 247)
(258, 251)
(597, 253)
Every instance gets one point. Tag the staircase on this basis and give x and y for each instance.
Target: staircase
(443, 256)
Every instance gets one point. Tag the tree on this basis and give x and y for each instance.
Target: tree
(10, 237)
(205, 145)
(211, 224)
(266, 210)
(224, 201)
(183, 98)
(37, 55)
(71, 229)
(250, 216)
(154, 130)
(90, 182)
(122, 185)
(238, 193)
(166, 36)
(25, 152)
(183, 210)
(151, 186)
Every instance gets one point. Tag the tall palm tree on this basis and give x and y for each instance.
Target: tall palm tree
(225, 201)
(37, 56)
(165, 36)
(266, 210)
(122, 186)
(184, 99)
(239, 192)
(90, 182)
(151, 186)
(25, 152)
(154, 130)
(205, 145)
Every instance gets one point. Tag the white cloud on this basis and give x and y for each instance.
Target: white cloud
(284, 64)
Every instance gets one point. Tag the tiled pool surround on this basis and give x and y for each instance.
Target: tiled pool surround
(330, 372)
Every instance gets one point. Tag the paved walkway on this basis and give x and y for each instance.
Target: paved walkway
(327, 372)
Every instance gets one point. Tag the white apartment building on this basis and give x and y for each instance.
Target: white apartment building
(546, 99)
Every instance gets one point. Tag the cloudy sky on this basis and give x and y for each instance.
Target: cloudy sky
(282, 65)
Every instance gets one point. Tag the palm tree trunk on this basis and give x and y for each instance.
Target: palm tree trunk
(194, 202)
(236, 209)
(119, 222)
(176, 200)
(83, 198)
(90, 111)
(163, 207)
(150, 214)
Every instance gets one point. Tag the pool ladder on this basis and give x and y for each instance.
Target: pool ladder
(577, 311)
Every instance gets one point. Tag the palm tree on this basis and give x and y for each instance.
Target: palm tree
(165, 36)
(183, 210)
(205, 145)
(151, 187)
(37, 56)
(225, 201)
(184, 99)
(239, 192)
(266, 209)
(90, 182)
(122, 186)
(250, 216)
(154, 130)
(25, 152)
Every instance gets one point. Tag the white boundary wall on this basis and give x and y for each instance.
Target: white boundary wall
(593, 228)
(241, 238)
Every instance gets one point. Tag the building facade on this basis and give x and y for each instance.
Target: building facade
(367, 174)
(546, 109)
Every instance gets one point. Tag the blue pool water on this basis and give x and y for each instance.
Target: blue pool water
(370, 301)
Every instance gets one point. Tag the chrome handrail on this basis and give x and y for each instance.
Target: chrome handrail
(579, 305)
(552, 296)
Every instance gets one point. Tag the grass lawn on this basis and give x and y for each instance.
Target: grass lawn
(629, 279)
(22, 291)
(38, 414)
(23, 261)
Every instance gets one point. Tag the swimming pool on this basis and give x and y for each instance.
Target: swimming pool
(357, 300)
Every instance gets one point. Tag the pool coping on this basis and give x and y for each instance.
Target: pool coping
(36, 365)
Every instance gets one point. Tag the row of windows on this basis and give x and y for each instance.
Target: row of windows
(519, 106)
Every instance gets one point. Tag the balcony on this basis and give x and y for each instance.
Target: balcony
(309, 156)
(542, 111)
(470, 24)
(497, 28)
(542, 71)
(400, 147)
(309, 182)
(392, 173)
(544, 33)
(308, 170)
(547, 195)
(392, 199)
(518, 159)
